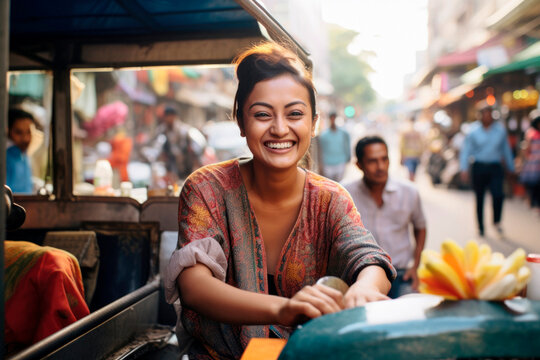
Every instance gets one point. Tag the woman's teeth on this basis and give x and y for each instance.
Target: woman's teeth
(281, 145)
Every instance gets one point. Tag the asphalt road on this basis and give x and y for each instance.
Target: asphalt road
(451, 213)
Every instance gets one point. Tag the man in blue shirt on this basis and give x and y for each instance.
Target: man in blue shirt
(334, 150)
(18, 170)
(486, 152)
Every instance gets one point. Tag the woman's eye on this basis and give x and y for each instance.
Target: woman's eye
(261, 115)
(296, 114)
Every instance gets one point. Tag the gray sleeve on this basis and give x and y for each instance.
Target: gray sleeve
(205, 251)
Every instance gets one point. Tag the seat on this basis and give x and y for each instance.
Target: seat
(84, 246)
(43, 288)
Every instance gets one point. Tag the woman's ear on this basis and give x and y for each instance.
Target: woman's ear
(314, 124)
(241, 127)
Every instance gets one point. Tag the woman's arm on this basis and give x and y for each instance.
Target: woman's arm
(219, 301)
(372, 284)
(356, 257)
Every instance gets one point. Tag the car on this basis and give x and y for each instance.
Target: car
(224, 137)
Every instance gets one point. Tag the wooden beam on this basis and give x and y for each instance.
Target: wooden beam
(215, 51)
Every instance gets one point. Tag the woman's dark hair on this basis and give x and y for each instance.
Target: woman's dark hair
(365, 141)
(267, 61)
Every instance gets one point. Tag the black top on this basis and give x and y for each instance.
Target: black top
(271, 285)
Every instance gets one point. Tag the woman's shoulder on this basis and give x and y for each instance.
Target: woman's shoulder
(324, 186)
(223, 174)
(329, 201)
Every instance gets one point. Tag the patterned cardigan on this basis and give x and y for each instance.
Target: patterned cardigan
(217, 227)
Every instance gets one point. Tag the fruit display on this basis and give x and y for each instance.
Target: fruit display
(472, 272)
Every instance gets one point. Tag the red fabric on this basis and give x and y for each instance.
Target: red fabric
(532, 134)
(470, 56)
(44, 292)
(121, 150)
(107, 117)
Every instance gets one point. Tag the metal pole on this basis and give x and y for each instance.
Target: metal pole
(4, 66)
(275, 30)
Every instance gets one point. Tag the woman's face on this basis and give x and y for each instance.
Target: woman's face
(278, 122)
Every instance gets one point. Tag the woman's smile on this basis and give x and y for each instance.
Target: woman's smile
(279, 145)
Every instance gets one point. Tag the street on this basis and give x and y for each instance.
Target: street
(451, 213)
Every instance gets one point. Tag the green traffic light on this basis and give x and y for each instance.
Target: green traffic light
(349, 111)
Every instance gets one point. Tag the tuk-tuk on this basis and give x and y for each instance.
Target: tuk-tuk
(59, 41)
(123, 239)
(421, 326)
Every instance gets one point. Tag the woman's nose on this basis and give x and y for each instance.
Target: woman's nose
(279, 126)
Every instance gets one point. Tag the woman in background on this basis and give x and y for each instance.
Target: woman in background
(530, 173)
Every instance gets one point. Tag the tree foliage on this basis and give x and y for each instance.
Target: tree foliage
(349, 72)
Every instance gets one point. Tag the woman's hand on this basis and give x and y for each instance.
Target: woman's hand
(371, 285)
(359, 294)
(310, 302)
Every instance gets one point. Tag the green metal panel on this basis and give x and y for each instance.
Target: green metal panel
(408, 329)
(532, 63)
(526, 59)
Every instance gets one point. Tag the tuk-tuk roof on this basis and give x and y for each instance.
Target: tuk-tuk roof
(95, 33)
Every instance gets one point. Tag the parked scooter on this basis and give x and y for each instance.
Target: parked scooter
(443, 162)
(436, 161)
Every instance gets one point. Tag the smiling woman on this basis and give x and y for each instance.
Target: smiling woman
(255, 234)
(278, 122)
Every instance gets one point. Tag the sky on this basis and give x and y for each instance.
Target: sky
(393, 29)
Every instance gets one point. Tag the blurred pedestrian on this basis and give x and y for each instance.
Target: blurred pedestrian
(530, 173)
(180, 153)
(18, 169)
(121, 146)
(486, 154)
(411, 147)
(334, 150)
(388, 208)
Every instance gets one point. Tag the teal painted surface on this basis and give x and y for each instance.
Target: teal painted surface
(409, 330)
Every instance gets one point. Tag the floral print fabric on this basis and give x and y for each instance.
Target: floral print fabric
(328, 238)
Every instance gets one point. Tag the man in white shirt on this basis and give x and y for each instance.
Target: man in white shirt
(388, 208)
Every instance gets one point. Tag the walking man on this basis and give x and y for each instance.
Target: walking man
(411, 148)
(486, 153)
(334, 150)
(389, 207)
